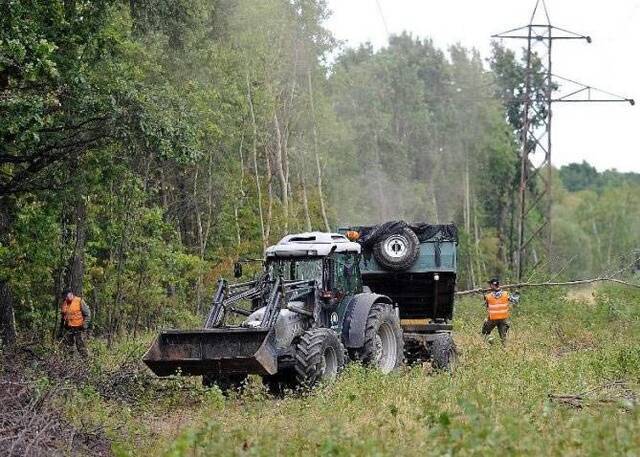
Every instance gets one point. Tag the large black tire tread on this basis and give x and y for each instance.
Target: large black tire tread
(444, 354)
(379, 314)
(309, 353)
(402, 263)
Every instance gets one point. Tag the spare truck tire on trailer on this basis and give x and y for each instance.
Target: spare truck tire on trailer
(397, 251)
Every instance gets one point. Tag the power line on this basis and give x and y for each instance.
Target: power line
(536, 131)
(384, 21)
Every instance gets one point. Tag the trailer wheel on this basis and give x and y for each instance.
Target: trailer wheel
(397, 251)
(226, 384)
(444, 354)
(383, 342)
(320, 356)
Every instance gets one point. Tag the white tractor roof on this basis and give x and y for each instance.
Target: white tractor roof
(312, 244)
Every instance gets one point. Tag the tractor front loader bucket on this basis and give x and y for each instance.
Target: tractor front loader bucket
(227, 351)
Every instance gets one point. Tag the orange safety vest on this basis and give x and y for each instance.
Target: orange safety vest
(72, 313)
(498, 307)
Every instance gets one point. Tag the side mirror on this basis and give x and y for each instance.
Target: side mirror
(237, 270)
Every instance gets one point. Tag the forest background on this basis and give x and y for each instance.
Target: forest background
(147, 145)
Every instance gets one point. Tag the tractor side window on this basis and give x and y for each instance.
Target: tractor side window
(309, 269)
(357, 277)
(346, 273)
(296, 270)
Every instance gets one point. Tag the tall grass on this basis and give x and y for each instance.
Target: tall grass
(498, 402)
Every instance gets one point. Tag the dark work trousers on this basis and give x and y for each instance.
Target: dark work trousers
(503, 328)
(76, 337)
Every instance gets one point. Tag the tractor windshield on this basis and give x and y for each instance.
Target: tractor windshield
(297, 269)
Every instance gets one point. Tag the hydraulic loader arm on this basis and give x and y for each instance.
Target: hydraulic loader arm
(227, 295)
(280, 293)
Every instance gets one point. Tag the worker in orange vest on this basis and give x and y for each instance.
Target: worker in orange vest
(498, 303)
(75, 320)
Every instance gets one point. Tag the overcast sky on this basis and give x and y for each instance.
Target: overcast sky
(606, 135)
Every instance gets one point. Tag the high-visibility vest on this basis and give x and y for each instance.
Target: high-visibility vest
(72, 313)
(498, 306)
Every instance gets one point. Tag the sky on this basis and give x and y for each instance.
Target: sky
(607, 135)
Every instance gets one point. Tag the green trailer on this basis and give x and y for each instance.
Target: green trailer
(415, 266)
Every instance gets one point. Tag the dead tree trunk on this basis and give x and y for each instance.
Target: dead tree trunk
(323, 209)
(305, 202)
(255, 161)
(201, 240)
(577, 282)
(467, 220)
(242, 193)
(267, 231)
(383, 208)
(476, 230)
(7, 319)
(280, 169)
(76, 265)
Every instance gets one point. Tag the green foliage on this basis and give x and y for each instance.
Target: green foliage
(582, 176)
(145, 145)
(557, 346)
(578, 176)
(415, 132)
(509, 72)
(597, 231)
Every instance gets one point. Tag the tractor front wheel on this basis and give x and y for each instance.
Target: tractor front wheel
(320, 356)
(383, 342)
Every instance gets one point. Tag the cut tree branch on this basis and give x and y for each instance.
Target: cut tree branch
(549, 284)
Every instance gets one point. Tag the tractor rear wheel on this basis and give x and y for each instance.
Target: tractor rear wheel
(444, 354)
(383, 342)
(320, 356)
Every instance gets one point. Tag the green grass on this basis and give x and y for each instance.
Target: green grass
(496, 402)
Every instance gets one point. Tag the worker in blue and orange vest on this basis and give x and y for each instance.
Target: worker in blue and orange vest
(498, 303)
(75, 318)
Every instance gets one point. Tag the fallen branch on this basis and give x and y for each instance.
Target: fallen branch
(586, 398)
(571, 400)
(548, 284)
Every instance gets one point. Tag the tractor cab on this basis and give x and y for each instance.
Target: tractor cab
(329, 259)
(294, 322)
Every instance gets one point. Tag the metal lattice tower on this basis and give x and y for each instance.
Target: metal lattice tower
(536, 128)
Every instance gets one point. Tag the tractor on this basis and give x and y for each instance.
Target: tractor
(377, 295)
(304, 316)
